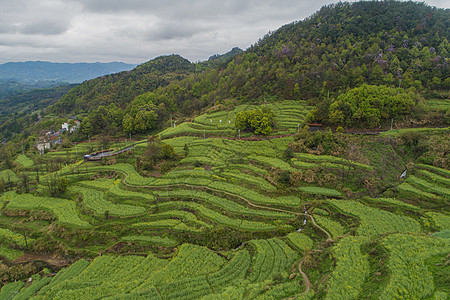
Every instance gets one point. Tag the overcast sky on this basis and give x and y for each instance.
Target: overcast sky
(135, 31)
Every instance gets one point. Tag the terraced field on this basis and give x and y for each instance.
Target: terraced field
(288, 115)
(220, 224)
(429, 182)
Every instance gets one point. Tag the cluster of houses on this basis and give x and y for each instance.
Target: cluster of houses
(47, 138)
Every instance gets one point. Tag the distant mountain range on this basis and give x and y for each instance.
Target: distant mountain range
(32, 71)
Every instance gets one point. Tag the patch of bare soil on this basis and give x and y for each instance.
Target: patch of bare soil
(50, 259)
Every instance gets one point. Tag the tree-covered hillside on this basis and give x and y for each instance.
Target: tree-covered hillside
(343, 46)
(122, 87)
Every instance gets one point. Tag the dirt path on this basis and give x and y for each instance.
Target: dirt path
(315, 224)
(53, 260)
(308, 285)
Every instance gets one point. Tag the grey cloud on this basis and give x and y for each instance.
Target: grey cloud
(45, 27)
(173, 30)
(138, 30)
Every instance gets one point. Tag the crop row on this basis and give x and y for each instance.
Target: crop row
(441, 221)
(272, 257)
(406, 187)
(375, 221)
(410, 278)
(316, 190)
(95, 200)
(440, 171)
(233, 271)
(252, 180)
(28, 291)
(48, 291)
(64, 210)
(331, 159)
(163, 241)
(190, 261)
(352, 269)
(273, 162)
(428, 186)
(95, 280)
(223, 203)
(435, 178)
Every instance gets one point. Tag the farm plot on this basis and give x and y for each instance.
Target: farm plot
(272, 162)
(351, 271)
(435, 178)
(255, 197)
(375, 221)
(436, 170)
(219, 218)
(328, 161)
(258, 182)
(223, 203)
(64, 210)
(132, 176)
(162, 241)
(113, 188)
(334, 228)
(96, 201)
(428, 187)
(407, 188)
(300, 241)
(190, 261)
(441, 221)
(410, 278)
(172, 224)
(272, 257)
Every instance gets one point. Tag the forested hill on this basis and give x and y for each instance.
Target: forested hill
(343, 46)
(123, 87)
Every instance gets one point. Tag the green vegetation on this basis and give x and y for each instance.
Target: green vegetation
(334, 228)
(367, 106)
(351, 271)
(95, 200)
(259, 121)
(64, 210)
(24, 161)
(314, 190)
(376, 221)
(226, 189)
(409, 275)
